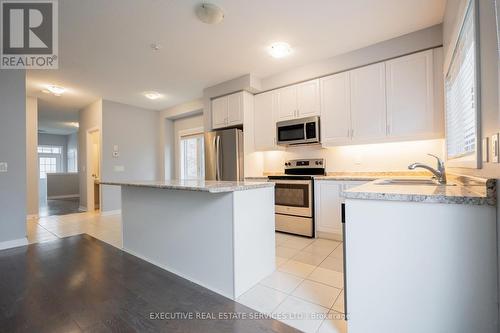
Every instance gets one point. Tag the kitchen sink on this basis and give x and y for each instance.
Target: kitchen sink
(428, 182)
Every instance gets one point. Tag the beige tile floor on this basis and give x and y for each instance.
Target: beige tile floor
(306, 287)
(106, 228)
(306, 290)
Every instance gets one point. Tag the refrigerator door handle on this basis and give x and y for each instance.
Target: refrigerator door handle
(217, 159)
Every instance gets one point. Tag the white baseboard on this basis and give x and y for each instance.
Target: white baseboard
(13, 243)
(111, 212)
(67, 196)
(32, 216)
(82, 208)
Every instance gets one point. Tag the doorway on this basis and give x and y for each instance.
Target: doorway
(93, 169)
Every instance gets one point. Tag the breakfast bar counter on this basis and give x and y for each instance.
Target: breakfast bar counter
(219, 235)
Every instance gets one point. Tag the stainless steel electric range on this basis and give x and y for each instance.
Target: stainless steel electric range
(294, 196)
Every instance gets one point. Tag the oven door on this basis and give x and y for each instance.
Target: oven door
(293, 197)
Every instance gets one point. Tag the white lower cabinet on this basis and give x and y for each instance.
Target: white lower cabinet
(328, 205)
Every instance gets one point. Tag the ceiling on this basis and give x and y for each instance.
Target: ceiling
(104, 46)
(56, 119)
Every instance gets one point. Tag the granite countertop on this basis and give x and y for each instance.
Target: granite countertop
(210, 186)
(467, 190)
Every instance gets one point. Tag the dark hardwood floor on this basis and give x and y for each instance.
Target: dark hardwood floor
(80, 284)
(51, 207)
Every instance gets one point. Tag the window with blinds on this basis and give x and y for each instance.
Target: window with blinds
(460, 90)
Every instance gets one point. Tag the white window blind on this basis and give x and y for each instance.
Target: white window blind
(460, 86)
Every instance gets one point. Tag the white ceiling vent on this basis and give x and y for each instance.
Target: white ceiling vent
(209, 13)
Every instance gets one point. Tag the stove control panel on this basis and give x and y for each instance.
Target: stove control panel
(305, 164)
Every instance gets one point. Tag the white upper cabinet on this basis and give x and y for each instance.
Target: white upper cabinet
(308, 103)
(368, 104)
(287, 103)
(235, 109)
(219, 112)
(336, 111)
(227, 110)
(299, 101)
(410, 95)
(265, 109)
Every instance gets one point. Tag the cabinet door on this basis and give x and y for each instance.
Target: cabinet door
(410, 104)
(368, 107)
(235, 109)
(328, 206)
(308, 103)
(287, 103)
(219, 112)
(264, 121)
(335, 109)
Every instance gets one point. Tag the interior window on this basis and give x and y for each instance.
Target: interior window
(192, 157)
(49, 160)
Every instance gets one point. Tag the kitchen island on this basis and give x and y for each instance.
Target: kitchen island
(217, 234)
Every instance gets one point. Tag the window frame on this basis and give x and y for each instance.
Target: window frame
(58, 156)
(474, 159)
(184, 134)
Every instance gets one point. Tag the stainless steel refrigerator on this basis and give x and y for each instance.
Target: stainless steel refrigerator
(224, 155)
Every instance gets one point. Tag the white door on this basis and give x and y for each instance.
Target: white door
(219, 112)
(328, 207)
(410, 95)
(308, 102)
(287, 103)
(264, 121)
(235, 109)
(335, 109)
(368, 107)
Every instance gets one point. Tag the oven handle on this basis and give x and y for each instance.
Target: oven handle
(290, 181)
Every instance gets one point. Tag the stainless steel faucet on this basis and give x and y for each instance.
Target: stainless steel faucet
(440, 173)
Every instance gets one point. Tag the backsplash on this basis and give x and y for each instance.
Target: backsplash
(378, 157)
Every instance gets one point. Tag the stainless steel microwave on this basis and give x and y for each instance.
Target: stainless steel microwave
(298, 131)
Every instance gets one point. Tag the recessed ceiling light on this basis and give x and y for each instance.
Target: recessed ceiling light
(279, 49)
(152, 95)
(55, 90)
(155, 46)
(209, 13)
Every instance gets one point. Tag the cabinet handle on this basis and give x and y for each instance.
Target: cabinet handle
(352, 132)
(388, 128)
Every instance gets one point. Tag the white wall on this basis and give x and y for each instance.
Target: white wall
(135, 131)
(166, 148)
(32, 172)
(182, 125)
(90, 117)
(13, 152)
(415, 41)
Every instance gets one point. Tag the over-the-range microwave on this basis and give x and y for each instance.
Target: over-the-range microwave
(298, 131)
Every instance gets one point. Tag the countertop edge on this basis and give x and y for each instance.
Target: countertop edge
(423, 198)
(207, 189)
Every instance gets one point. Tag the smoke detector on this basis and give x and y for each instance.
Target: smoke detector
(209, 13)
